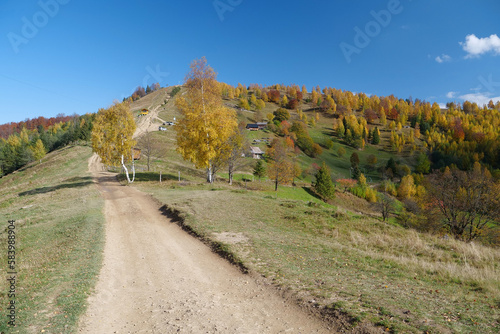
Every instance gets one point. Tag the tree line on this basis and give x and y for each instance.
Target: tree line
(28, 145)
(31, 124)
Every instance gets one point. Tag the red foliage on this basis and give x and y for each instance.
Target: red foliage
(31, 124)
(274, 96)
(347, 183)
(478, 137)
(299, 95)
(370, 115)
(393, 114)
(293, 104)
(458, 131)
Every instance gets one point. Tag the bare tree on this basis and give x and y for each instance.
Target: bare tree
(466, 202)
(232, 152)
(151, 147)
(385, 205)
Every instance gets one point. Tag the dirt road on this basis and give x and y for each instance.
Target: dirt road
(158, 279)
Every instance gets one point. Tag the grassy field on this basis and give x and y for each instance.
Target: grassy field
(59, 238)
(342, 262)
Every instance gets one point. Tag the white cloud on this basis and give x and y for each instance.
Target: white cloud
(443, 58)
(477, 46)
(442, 105)
(451, 95)
(480, 98)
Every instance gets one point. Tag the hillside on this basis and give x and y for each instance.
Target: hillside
(59, 222)
(338, 258)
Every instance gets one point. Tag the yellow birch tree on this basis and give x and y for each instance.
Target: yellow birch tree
(112, 133)
(206, 125)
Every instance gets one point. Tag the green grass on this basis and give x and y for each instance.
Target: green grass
(60, 237)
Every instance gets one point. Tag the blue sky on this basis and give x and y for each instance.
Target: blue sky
(71, 56)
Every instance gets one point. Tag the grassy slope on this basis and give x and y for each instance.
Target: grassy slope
(60, 237)
(374, 272)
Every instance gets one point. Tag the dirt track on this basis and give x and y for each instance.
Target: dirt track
(158, 279)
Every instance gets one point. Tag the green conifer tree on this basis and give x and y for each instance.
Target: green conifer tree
(324, 186)
(375, 137)
(259, 170)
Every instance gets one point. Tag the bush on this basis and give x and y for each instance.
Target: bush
(388, 187)
(174, 91)
(329, 144)
(358, 191)
(341, 151)
(243, 103)
(281, 114)
(364, 192)
(371, 195)
(293, 104)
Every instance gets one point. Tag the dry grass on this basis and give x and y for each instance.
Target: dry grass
(372, 271)
(448, 259)
(59, 224)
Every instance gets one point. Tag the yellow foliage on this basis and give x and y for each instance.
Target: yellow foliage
(284, 101)
(281, 168)
(14, 141)
(407, 187)
(362, 180)
(206, 125)
(112, 133)
(38, 150)
(371, 195)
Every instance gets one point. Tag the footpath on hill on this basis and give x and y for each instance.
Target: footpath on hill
(156, 278)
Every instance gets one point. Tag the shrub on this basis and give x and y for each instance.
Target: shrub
(324, 186)
(281, 114)
(293, 104)
(174, 91)
(243, 103)
(371, 195)
(329, 144)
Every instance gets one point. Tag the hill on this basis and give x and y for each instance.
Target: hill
(59, 237)
(336, 258)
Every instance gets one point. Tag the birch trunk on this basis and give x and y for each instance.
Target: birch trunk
(126, 170)
(209, 175)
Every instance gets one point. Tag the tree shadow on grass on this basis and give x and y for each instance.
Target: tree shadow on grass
(312, 193)
(78, 182)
